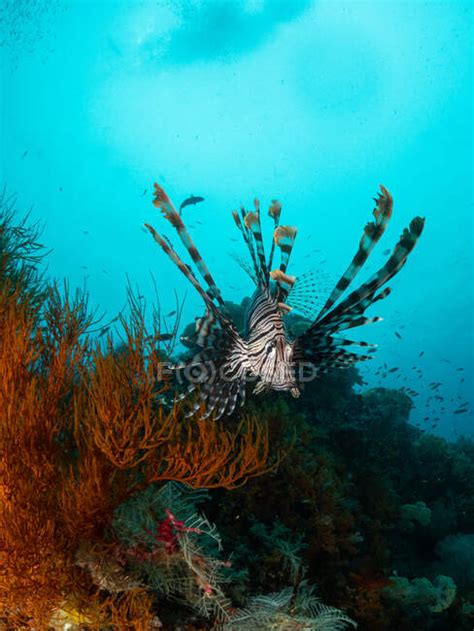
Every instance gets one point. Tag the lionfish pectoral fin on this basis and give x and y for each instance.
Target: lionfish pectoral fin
(318, 344)
(371, 235)
(217, 374)
(260, 387)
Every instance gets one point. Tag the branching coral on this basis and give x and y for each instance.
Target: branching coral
(82, 429)
(433, 596)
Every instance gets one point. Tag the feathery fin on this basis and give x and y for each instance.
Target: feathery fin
(162, 201)
(371, 235)
(252, 222)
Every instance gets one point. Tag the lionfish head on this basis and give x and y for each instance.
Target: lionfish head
(276, 370)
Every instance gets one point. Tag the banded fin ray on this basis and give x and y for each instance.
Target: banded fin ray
(248, 242)
(365, 294)
(371, 235)
(186, 270)
(162, 201)
(274, 211)
(252, 223)
(284, 238)
(306, 293)
(350, 312)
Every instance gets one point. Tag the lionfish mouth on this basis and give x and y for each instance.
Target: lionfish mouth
(217, 375)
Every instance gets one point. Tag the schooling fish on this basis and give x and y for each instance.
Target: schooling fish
(265, 354)
(189, 201)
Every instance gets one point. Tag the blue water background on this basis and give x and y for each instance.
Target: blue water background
(313, 103)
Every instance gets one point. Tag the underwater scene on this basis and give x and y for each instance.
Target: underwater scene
(236, 315)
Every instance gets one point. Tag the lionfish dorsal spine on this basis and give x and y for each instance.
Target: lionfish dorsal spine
(252, 223)
(170, 213)
(274, 211)
(284, 238)
(246, 234)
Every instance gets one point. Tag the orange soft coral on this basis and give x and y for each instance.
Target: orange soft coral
(81, 429)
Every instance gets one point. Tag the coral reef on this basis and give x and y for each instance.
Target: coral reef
(83, 429)
(434, 596)
(290, 611)
(361, 497)
(117, 512)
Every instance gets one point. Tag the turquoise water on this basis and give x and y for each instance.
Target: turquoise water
(313, 103)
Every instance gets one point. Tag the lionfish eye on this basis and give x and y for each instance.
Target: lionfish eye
(270, 347)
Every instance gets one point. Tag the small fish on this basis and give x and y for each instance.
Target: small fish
(422, 353)
(171, 313)
(85, 232)
(398, 335)
(386, 252)
(461, 411)
(394, 369)
(145, 191)
(190, 201)
(104, 330)
(84, 267)
(25, 153)
(164, 337)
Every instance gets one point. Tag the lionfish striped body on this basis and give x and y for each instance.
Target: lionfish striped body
(264, 353)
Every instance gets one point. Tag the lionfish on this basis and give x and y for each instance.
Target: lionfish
(264, 352)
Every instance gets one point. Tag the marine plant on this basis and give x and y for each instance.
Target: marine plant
(83, 429)
(291, 610)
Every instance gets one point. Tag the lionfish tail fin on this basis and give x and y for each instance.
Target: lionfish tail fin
(162, 201)
(371, 235)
